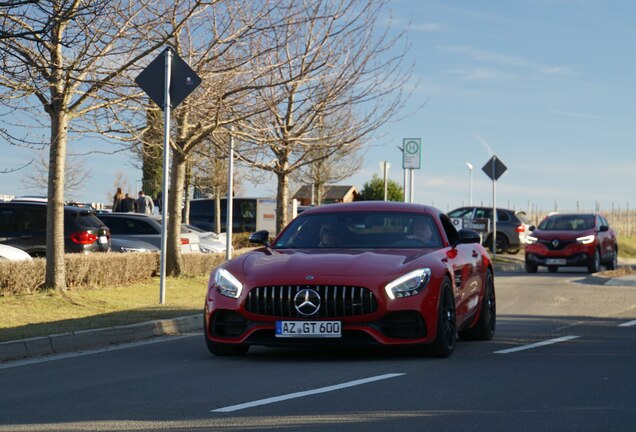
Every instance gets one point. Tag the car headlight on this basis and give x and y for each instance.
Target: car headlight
(585, 239)
(410, 284)
(531, 240)
(227, 284)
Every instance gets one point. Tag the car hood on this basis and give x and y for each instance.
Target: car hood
(334, 263)
(560, 234)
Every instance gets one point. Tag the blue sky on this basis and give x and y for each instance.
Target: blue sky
(545, 85)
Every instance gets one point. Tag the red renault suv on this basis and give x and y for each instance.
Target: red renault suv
(567, 240)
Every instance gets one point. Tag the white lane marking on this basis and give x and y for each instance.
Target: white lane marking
(536, 345)
(306, 393)
(628, 324)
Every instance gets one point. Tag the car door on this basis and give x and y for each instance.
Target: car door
(24, 227)
(466, 261)
(605, 238)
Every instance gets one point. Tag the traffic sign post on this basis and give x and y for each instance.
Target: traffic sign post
(411, 159)
(494, 169)
(167, 80)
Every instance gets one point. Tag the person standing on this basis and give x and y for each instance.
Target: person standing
(118, 200)
(128, 204)
(144, 204)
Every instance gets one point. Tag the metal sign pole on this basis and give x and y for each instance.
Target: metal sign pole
(164, 192)
(230, 201)
(494, 211)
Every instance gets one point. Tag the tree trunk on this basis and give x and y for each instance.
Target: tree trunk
(55, 267)
(174, 265)
(282, 197)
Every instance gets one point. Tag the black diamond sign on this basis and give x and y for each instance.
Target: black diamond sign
(183, 80)
(494, 168)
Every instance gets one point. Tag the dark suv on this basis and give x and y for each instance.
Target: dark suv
(512, 226)
(23, 225)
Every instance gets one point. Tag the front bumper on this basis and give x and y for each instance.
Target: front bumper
(395, 328)
(575, 260)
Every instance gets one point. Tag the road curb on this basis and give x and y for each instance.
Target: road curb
(96, 338)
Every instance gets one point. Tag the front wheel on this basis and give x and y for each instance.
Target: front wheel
(531, 268)
(484, 328)
(594, 265)
(446, 336)
(613, 264)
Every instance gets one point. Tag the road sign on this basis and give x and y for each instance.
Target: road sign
(183, 80)
(411, 154)
(494, 168)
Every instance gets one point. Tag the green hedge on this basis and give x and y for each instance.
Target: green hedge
(98, 270)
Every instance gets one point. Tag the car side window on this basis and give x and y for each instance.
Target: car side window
(140, 227)
(449, 229)
(502, 216)
(8, 221)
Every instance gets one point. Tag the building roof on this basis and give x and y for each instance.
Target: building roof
(331, 192)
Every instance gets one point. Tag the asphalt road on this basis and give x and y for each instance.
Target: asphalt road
(563, 359)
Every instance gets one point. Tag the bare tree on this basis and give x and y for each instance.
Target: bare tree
(340, 60)
(75, 174)
(73, 67)
(220, 46)
(326, 166)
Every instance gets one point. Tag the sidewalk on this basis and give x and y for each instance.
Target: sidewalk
(98, 338)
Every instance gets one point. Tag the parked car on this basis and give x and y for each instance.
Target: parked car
(10, 253)
(23, 225)
(354, 274)
(129, 245)
(512, 226)
(138, 226)
(563, 240)
(209, 242)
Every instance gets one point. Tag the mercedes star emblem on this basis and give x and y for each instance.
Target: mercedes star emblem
(307, 302)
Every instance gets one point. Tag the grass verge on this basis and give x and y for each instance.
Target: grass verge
(44, 313)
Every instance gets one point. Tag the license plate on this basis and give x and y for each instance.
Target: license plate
(317, 329)
(555, 261)
(102, 240)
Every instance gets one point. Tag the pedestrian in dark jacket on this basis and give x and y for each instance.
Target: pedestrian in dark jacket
(117, 200)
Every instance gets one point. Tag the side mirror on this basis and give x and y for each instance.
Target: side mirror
(603, 228)
(260, 237)
(467, 236)
(532, 228)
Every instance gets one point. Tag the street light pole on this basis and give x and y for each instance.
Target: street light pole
(470, 183)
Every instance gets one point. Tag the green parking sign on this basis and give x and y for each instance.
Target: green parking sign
(411, 154)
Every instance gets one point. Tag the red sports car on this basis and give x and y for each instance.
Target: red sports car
(574, 239)
(363, 273)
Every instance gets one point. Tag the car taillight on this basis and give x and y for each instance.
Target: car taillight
(83, 237)
(185, 241)
(520, 229)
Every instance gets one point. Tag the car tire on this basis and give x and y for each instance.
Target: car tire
(613, 263)
(553, 269)
(594, 265)
(513, 251)
(531, 268)
(502, 243)
(484, 328)
(446, 336)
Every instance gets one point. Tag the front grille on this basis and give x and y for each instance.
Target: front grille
(335, 301)
(561, 245)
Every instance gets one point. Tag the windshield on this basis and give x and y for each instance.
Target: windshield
(361, 230)
(567, 223)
